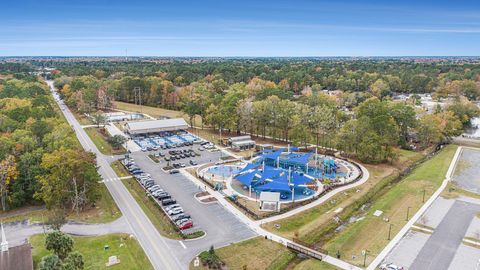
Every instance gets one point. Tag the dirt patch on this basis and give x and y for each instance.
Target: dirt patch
(209, 199)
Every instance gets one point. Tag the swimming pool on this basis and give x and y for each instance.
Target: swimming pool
(223, 170)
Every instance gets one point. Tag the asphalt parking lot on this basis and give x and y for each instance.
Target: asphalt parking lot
(221, 226)
(439, 250)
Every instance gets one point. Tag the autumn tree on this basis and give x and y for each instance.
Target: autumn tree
(8, 173)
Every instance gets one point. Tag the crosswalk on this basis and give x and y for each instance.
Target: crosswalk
(114, 179)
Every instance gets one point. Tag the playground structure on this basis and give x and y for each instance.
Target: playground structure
(295, 175)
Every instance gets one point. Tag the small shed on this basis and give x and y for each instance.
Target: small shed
(270, 201)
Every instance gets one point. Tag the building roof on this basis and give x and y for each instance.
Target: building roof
(242, 143)
(240, 138)
(17, 258)
(270, 196)
(156, 125)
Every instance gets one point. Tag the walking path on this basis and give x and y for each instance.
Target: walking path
(18, 232)
(419, 213)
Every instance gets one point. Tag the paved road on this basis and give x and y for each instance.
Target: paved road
(439, 250)
(18, 232)
(154, 245)
(221, 226)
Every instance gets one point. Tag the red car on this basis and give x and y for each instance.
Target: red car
(186, 225)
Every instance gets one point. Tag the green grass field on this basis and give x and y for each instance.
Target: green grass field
(371, 233)
(254, 254)
(103, 146)
(105, 209)
(125, 248)
(156, 112)
(151, 209)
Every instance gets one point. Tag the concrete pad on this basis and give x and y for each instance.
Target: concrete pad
(474, 229)
(467, 257)
(436, 212)
(406, 251)
(467, 172)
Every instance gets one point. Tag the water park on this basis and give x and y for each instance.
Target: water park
(293, 175)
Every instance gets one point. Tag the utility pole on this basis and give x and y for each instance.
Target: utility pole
(423, 199)
(408, 212)
(137, 92)
(389, 230)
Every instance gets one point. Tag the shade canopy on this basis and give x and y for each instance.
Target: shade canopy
(247, 178)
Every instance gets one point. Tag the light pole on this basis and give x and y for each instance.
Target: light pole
(364, 253)
(389, 230)
(423, 198)
(408, 212)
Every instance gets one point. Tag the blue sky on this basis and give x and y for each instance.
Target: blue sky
(240, 28)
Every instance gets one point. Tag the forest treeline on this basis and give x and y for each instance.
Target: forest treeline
(40, 158)
(361, 119)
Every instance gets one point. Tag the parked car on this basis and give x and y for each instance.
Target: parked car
(175, 211)
(168, 202)
(193, 162)
(170, 207)
(186, 225)
(154, 188)
(181, 216)
(390, 266)
(174, 171)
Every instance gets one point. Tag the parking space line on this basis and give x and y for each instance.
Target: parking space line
(182, 244)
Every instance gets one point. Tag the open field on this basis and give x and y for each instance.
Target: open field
(123, 246)
(309, 225)
(101, 143)
(152, 210)
(256, 253)
(371, 233)
(155, 111)
(105, 210)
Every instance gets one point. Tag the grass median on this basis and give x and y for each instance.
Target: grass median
(152, 210)
(126, 248)
(119, 169)
(100, 141)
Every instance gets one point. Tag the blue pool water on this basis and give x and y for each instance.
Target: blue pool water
(222, 170)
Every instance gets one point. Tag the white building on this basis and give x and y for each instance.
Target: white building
(155, 126)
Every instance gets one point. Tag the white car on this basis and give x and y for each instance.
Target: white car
(390, 266)
(175, 211)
